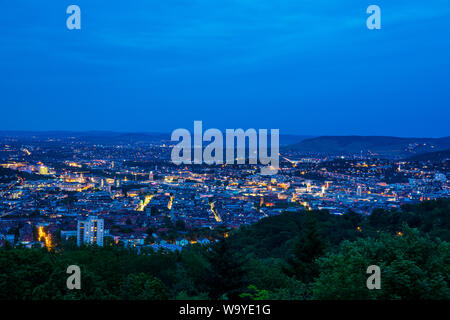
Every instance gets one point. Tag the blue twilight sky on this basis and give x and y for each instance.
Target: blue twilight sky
(303, 66)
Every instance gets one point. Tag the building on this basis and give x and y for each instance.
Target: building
(440, 177)
(359, 191)
(322, 192)
(308, 186)
(43, 170)
(65, 235)
(90, 231)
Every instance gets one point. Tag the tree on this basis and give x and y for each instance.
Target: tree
(412, 267)
(255, 294)
(267, 278)
(192, 269)
(142, 286)
(225, 277)
(306, 249)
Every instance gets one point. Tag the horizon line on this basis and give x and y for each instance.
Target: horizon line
(168, 133)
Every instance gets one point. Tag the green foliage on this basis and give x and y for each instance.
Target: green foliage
(182, 295)
(306, 255)
(255, 294)
(307, 248)
(412, 266)
(225, 276)
(142, 286)
(268, 274)
(431, 217)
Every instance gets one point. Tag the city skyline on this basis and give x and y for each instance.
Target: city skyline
(224, 158)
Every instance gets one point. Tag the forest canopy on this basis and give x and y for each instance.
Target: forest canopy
(306, 255)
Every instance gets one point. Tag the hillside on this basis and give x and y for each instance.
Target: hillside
(379, 145)
(437, 156)
(305, 255)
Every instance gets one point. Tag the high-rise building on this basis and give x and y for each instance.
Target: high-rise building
(90, 231)
(172, 216)
(359, 191)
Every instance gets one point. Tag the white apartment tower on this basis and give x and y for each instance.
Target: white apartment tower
(90, 231)
(359, 191)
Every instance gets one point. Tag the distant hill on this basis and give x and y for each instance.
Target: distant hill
(379, 145)
(124, 138)
(437, 156)
(99, 137)
(289, 139)
(110, 137)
